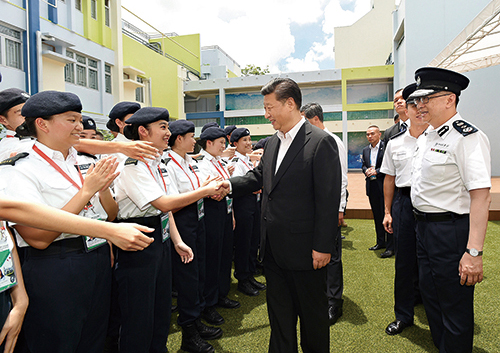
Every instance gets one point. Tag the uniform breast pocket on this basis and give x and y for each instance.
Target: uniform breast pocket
(434, 166)
(400, 159)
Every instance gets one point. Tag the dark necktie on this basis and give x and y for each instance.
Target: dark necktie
(403, 127)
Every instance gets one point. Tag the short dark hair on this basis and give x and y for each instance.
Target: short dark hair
(28, 127)
(373, 126)
(284, 88)
(311, 110)
(397, 91)
(131, 131)
(396, 117)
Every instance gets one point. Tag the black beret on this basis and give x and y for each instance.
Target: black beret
(148, 115)
(208, 125)
(88, 123)
(239, 133)
(181, 127)
(261, 143)
(212, 133)
(11, 97)
(48, 103)
(119, 111)
(409, 90)
(433, 79)
(229, 129)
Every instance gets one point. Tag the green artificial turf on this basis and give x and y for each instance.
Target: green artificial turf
(368, 305)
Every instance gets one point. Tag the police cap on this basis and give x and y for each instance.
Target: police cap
(239, 133)
(409, 90)
(48, 103)
(11, 97)
(433, 79)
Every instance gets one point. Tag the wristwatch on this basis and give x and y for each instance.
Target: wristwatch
(474, 252)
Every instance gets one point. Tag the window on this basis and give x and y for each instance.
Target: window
(81, 70)
(107, 78)
(11, 48)
(93, 9)
(69, 69)
(106, 12)
(93, 77)
(139, 91)
(78, 5)
(86, 72)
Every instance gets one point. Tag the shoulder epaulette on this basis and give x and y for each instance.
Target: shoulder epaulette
(130, 161)
(83, 166)
(194, 167)
(13, 160)
(200, 157)
(86, 154)
(464, 127)
(401, 133)
(166, 160)
(235, 159)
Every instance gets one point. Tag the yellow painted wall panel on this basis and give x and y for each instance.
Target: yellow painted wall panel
(53, 75)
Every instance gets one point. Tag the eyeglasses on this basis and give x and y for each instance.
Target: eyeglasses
(425, 100)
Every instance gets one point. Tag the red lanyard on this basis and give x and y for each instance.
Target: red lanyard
(56, 167)
(187, 173)
(223, 175)
(161, 174)
(246, 164)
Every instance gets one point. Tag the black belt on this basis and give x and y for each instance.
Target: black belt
(437, 217)
(405, 191)
(58, 247)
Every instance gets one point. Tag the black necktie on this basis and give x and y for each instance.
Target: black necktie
(403, 127)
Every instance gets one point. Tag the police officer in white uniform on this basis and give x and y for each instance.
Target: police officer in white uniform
(450, 191)
(399, 219)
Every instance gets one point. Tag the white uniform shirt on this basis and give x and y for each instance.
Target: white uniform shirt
(10, 144)
(242, 164)
(286, 141)
(446, 166)
(182, 174)
(210, 166)
(34, 179)
(373, 154)
(343, 167)
(398, 158)
(137, 186)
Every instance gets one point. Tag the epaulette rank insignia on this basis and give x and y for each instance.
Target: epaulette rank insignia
(200, 157)
(398, 134)
(166, 160)
(130, 161)
(464, 127)
(84, 166)
(235, 159)
(194, 168)
(13, 160)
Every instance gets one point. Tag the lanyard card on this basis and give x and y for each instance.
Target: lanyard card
(7, 273)
(201, 209)
(89, 242)
(165, 227)
(229, 202)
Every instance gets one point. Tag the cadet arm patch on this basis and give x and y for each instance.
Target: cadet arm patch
(464, 127)
(13, 160)
(130, 161)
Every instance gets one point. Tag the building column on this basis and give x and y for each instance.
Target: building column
(222, 105)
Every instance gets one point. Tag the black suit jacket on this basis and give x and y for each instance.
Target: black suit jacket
(378, 164)
(300, 202)
(391, 131)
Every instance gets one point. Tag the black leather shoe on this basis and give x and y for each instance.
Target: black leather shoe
(192, 341)
(227, 303)
(246, 287)
(211, 316)
(207, 332)
(396, 327)
(386, 254)
(334, 313)
(256, 284)
(174, 308)
(376, 247)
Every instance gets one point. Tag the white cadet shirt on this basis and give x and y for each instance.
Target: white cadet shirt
(242, 164)
(84, 161)
(33, 179)
(343, 167)
(182, 173)
(136, 187)
(11, 144)
(210, 166)
(447, 165)
(398, 158)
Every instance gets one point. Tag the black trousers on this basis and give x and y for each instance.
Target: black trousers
(69, 301)
(189, 279)
(449, 306)
(335, 274)
(406, 289)
(144, 284)
(376, 198)
(294, 294)
(246, 236)
(226, 257)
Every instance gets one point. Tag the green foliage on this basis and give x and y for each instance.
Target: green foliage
(108, 136)
(254, 70)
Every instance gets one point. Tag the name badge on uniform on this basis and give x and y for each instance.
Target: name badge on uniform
(7, 273)
(165, 227)
(91, 243)
(201, 209)
(229, 202)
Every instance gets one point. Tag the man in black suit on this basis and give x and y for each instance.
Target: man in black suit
(372, 160)
(300, 176)
(403, 123)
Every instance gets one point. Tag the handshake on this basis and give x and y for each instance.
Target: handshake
(216, 188)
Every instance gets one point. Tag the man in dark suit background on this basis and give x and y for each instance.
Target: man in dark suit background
(403, 122)
(300, 176)
(372, 161)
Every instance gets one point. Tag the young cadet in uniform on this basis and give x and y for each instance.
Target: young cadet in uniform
(86, 160)
(11, 103)
(247, 219)
(189, 279)
(399, 219)
(450, 191)
(218, 227)
(67, 276)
